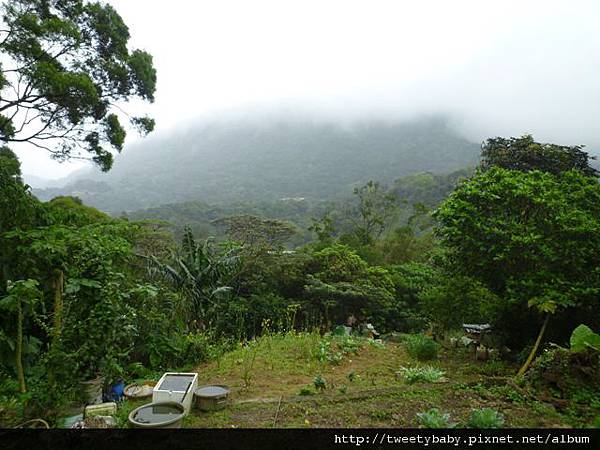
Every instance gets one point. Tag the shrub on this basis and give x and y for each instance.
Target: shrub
(485, 418)
(457, 300)
(425, 374)
(422, 347)
(320, 382)
(434, 418)
(567, 373)
(306, 391)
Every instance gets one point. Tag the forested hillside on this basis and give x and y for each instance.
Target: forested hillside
(240, 161)
(424, 188)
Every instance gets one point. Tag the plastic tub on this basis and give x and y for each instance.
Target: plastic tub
(139, 390)
(211, 398)
(158, 415)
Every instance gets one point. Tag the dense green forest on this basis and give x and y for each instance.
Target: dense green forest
(426, 189)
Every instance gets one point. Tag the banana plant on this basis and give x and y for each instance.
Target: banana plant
(200, 272)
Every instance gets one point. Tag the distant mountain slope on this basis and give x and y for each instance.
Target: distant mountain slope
(237, 160)
(425, 187)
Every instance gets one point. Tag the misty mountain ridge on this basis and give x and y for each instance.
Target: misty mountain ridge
(248, 160)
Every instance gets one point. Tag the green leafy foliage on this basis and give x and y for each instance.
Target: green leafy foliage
(583, 338)
(68, 64)
(524, 154)
(320, 383)
(334, 349)
(485, 418)
(421, 347)
(375, 209)
(305, 391)
(434, 418)
(568, 374)
(532, 238)
(424, 374)
(256, 231)
(118, 298)
(457, 300)
(343, 284)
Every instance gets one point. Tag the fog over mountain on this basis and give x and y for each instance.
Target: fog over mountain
(237, 159)
(498, 68)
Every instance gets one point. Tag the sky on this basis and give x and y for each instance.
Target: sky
(497, 67)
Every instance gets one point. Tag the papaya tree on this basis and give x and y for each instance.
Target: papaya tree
(72, 263)
(21, 300)
(18, 208)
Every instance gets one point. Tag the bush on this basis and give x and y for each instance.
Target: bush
(184, 349)
(485, 418)
(456, 300)
(306, 391)
(434, 418)
(426, 374)
(422, 347)
(320, 383)
(564, 372)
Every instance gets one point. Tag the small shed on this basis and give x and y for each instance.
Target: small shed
(477, 331)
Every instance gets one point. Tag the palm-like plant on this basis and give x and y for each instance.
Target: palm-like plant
(201, 272)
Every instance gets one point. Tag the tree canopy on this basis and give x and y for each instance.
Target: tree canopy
(257, 231)
(66, 66)
(531, 236)
(525, 154)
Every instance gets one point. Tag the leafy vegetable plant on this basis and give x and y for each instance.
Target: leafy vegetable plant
(426, 374)
(434, 418)
(485, 418)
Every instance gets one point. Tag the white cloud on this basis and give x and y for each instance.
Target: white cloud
(505, 67)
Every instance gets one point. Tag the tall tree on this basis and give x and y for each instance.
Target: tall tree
(257, 232)
(65, 68)
(18, 208)
(374, 211)
(531, 237)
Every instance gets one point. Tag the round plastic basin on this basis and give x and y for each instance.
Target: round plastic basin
(158, 415)
(211, 398)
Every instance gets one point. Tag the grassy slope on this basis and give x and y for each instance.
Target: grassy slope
(375, 398)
